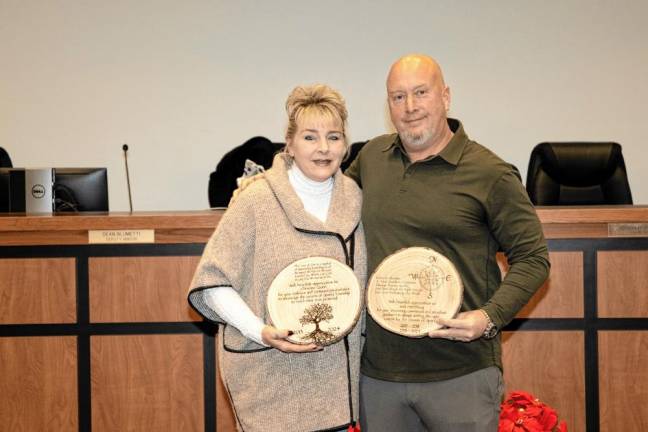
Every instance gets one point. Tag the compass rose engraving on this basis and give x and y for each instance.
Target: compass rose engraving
(430, 278)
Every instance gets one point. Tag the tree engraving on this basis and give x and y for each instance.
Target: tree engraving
(315, 314)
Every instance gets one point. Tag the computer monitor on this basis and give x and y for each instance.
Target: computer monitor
(80, 189)
(74, 190)
(9, 184)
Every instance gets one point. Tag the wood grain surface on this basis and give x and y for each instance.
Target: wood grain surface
(575, 230)
(225, 419)
(561, 296)
(192, 226)
(147, 383)
(38, 384)
(114, 220)
(623, 380)
(77, 237)
(141, 289)
(550, 365)
(622, 278)
(592, 214)
(37, 290)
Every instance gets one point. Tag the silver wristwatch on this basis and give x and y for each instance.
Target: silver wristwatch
(491, 329)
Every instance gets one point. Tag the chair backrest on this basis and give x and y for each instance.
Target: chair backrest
(222, 181)
(5, 160)
(578, 173)
(353, 152)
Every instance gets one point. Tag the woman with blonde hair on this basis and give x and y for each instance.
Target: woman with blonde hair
(304, 206)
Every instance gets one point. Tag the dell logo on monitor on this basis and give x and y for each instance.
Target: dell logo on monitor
(38, 191)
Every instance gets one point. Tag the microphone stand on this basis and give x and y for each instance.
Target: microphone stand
(130, 200)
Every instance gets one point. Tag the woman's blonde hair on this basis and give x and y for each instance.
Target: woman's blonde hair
(315, 100)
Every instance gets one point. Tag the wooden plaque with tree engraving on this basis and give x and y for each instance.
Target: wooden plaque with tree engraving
(318, 298)
(411, 289)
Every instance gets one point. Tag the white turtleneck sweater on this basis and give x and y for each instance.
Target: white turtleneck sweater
(226, 302)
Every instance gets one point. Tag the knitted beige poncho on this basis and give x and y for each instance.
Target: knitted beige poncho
(265, 230)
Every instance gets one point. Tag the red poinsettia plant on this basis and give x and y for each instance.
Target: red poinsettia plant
(523, 412)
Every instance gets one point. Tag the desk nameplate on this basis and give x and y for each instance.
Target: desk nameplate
(628, 229)
(121, 236)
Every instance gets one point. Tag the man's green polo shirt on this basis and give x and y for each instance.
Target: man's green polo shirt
(467, 204)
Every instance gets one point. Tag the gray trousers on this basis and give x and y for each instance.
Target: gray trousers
(469, 403)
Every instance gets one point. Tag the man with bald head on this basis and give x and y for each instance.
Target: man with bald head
(429, 185)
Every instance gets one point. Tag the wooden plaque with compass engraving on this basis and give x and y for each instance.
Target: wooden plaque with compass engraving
(411, 289)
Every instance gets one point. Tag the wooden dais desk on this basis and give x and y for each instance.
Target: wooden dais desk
(100, 337)
(580, 344)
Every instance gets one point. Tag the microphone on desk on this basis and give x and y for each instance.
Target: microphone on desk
(130, 200)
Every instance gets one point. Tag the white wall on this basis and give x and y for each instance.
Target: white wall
(184, 82)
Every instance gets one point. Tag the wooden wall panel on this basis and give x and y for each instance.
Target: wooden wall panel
(37, 290)
(147, 383)
(225, 419)
(622, 283)
(141, 289)
(550, 365)
(561, 296)
(38, 384)
(623, 380)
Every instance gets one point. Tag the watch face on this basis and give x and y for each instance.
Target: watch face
(491, 331)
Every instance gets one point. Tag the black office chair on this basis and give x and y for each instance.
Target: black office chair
(578, 173)
(353, 152)
(5, 160)
(222, 181)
